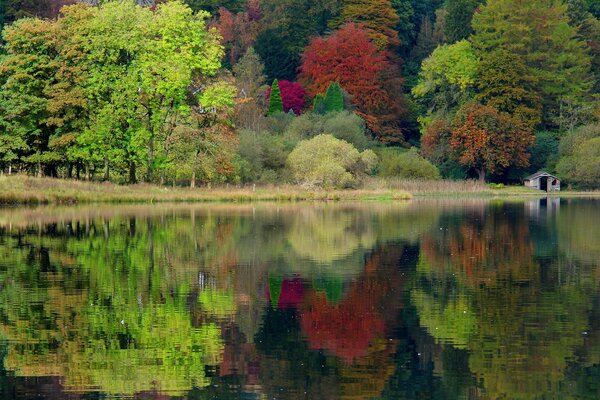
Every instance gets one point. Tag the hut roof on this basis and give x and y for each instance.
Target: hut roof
(539, 174)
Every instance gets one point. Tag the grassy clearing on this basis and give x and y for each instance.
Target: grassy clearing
(27, 190)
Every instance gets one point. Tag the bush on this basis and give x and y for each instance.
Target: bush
(406, 164)
(262, 156)
(342, 125)
(579, 162)
(329, 162)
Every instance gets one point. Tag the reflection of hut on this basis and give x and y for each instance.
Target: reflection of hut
(543, 181)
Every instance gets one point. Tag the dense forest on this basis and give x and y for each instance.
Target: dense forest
(320, 93)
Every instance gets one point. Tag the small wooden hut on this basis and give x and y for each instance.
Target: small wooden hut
(543, 181)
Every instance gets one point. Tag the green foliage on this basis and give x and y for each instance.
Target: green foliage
(342, 125)
(319, 104)
(275, 101)
(405, 164)
(264, 155)
(334, 98)
(458, 19)
(212, 6)
(545, 152)
(331, 101)
(579, 162)
(249, 74)
(505, 83)
(329, 162)
(108, 85)
(447, 76)
(539, 33)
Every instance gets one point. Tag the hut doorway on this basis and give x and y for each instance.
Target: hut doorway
(544, 183)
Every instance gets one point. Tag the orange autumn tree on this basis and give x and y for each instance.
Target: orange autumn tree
(349, 57)
(488, 141)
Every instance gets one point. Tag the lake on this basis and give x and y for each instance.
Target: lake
(440, 299)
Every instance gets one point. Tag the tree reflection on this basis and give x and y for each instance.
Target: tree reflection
(481, 288)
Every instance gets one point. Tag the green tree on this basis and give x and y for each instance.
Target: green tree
(539, 33)
(288, 26)
(588, 28)
(447, 77)
(249, 74)
(505, 83)
(334, 98)
(579, 162)
(275, 101)
(25, 73)
(458, 18)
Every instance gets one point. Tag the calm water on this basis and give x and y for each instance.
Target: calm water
(422, 300)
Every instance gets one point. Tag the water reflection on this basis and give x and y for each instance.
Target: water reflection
(355, 301)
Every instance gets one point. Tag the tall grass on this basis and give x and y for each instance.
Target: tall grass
(445, 187)
(28, 190)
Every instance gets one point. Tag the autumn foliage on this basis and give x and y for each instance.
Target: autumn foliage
(293, 96)
(488, 140)
(349, 57)
(377, 16)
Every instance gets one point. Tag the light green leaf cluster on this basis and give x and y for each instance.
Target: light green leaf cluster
(454, 65)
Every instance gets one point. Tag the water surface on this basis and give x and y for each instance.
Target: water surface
(463, 299)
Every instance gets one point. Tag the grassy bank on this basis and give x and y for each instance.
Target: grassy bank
(15, 190)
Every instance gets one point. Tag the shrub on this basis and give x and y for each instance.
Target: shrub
(579, 163)
(406, 164)
(329, 162)
(341, 125)
(262, 156)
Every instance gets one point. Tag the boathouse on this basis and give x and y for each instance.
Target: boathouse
(543, 181)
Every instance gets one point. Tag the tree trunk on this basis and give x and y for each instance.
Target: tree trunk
(193, 182)
(9, 169)
(106, 169)
(69, 171)
(40, 171)
(87, 171)
(150, 159)
(481, 173)
(78, 170)
(132, 174)
(162, 178)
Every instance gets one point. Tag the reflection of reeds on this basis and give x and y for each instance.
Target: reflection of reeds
(28, 190)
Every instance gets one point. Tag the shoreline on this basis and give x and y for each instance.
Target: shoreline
(25, 190)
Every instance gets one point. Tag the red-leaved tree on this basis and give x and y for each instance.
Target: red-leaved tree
(293, 96)
(349, 57)
(488, 140)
